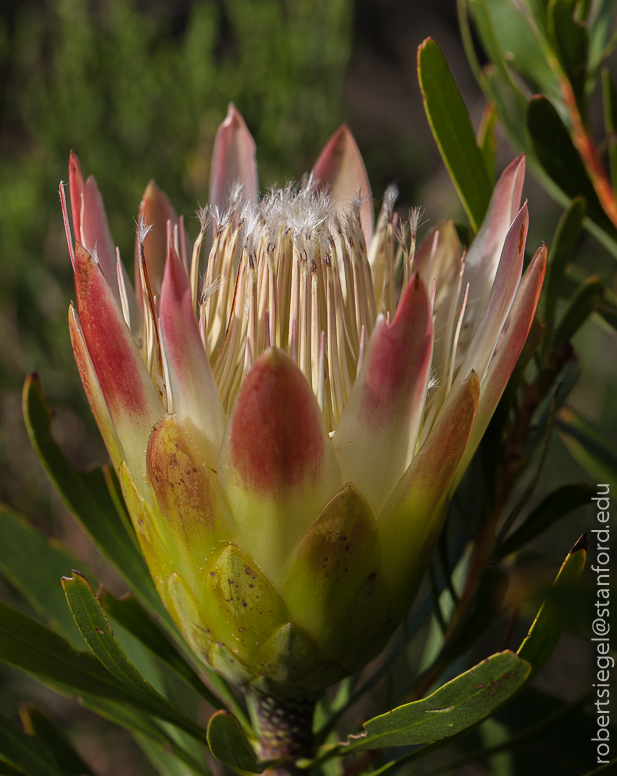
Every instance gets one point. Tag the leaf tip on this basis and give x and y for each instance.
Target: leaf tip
(581, 544)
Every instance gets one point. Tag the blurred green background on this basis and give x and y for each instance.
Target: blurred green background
(137, 88)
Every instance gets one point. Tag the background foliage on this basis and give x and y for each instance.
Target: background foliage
(138, 89)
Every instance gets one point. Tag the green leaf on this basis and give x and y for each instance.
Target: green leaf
(550, 620)
(35, 648)
(228, 743)
(591, 447)
(568, 37)
(24, 752)
(8, 770)
(95, 628)
(142, 726)
(560, 159)
(453, 132)
(556, 505)
(35, 565)
(516, 44)
(43, 729)
(487, 139)
(88, 497)
(562, 249)
(539, 10)
(129, 613)
(26, 644)
(585, 300)
(165, 759)
(609, 99)
(600, 24)
(457, 705)
(607, 309)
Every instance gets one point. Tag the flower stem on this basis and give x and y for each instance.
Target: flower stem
(285, 730)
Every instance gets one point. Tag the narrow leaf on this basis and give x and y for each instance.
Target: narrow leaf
(25, 753)
(556, 505)
(166, 760)
(88, 497)
(609, 99)
(457, 705)
(142, 726)
(9, 770)
(26, 644)
(228, 743)
(453, 132)
(95, 628)
(35, 567)
(600, 26)
(43, 729)
(568, 38)
(562, 249)
(550, 620)
(585, 300)
(129, 613)
(515, 43)
(560, 159)
(591, 447)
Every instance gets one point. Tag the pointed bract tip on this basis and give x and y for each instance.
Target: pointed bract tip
(74, 162)
(233, 114)
(151, 189)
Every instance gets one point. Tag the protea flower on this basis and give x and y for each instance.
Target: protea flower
(289, 424)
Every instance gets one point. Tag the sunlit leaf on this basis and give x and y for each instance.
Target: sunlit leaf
(453, 132)
(517, 43)
(35, 565)
(457, 705)
(228, 743)
(129, 613)
(95, 628)
(143, 727)
(550, 620)
(88, 497)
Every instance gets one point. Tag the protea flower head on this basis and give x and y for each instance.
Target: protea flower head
(289, 423)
